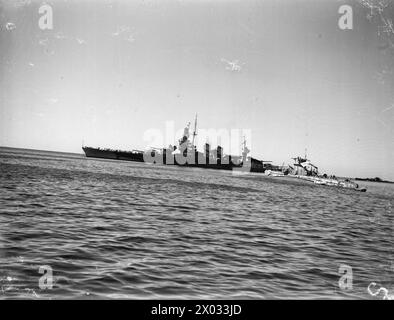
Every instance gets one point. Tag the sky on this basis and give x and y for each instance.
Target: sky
(109, 71)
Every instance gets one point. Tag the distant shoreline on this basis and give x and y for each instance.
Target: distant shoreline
(41, 150)
(377, 179)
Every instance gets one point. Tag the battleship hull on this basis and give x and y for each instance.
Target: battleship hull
(114, 154)
(199, 160)
(138, 156)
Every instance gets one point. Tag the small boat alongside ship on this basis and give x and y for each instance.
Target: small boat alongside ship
(307, 171)
(274, 173)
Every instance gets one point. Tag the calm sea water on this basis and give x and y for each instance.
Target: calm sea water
(112, 229)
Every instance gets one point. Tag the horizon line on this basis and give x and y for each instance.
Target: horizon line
(68, 152)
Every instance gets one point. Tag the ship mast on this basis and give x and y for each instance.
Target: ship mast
(245, 149)
(195, 130)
